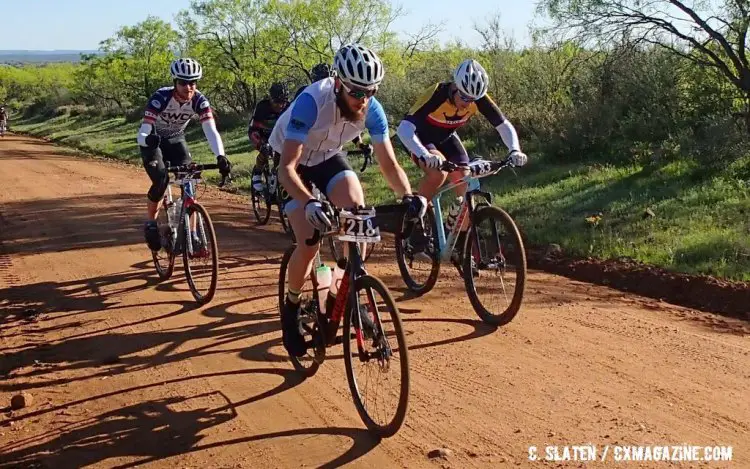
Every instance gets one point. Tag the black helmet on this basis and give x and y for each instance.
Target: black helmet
(279, 92)
(320, 72)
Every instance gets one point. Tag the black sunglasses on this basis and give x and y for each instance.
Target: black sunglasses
(187, 82)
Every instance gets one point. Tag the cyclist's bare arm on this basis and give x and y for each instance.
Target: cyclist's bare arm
(288, 177)
(393, 172)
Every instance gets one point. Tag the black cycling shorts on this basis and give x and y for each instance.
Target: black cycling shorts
(451, 148)
(324, 175)
(175, 152)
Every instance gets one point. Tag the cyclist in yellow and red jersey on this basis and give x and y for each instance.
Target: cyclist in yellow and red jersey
(428, 130)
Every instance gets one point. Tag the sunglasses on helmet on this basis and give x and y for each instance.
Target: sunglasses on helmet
(359, 93)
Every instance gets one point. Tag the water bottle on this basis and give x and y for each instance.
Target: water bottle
(453, 212)
(323, 277)
(174, 211)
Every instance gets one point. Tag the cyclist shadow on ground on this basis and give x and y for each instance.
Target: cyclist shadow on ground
(70, 223)
(108, 352)
(28, 302)
(262, 351)
(158, 429)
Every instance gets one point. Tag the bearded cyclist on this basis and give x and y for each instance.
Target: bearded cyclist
(428, 131)
(161, 137)
(322, 71)
(310, 136)
(266, 112)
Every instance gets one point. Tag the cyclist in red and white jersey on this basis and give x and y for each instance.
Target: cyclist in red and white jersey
(161, 137)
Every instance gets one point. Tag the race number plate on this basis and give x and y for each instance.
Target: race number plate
(361, 227)
(480, 167)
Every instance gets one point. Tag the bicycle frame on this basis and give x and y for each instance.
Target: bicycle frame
(446, 246)
(186, 181)
(354, 268)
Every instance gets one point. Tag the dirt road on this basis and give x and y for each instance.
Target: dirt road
(125, 371)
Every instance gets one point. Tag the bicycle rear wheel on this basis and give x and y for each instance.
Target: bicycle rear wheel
(201, 262)
(261, 201)
(419, 270)
(383, 356)
(494, 266)
(164, 258)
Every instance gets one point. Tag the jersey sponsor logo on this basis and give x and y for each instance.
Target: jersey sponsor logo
(155, 103)
(297, 124)
(150, 114)
(204, 104)
(176, 116)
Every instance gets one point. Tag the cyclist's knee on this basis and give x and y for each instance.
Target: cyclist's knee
(156, 192)
(345, 190)
(159, 182)
(434, 175)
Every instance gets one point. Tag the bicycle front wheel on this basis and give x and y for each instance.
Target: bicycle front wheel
(377, 366)
(261, 202)
(494, 266)
(418, 256)
(201, 256)
(164, 258)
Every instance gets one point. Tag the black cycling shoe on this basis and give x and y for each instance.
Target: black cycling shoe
(294, 343)
(151, 233)
(419, 244)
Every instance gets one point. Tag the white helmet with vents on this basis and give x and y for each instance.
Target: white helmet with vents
(359, 66)
(186, 69)
(471, 79)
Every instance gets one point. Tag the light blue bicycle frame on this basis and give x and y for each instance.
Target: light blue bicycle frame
(446, 246)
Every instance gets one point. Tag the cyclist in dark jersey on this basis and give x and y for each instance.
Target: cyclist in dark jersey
(445, 108)
(266, 112)
(161, 137)
(428, 130)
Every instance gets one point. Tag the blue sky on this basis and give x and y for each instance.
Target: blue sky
(81, 24)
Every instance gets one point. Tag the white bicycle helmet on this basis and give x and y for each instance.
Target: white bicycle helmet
(357, 65)
(471, 79)
(186, 69)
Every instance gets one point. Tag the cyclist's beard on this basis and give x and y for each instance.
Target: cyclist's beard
(347, 112)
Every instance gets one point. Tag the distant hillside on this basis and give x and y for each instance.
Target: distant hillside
(42, 56)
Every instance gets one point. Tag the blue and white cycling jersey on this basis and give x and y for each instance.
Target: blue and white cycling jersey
(315, 120)
(168, 118)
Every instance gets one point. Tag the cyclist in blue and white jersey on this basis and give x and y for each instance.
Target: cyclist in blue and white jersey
(161, 137)
(310, 135)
